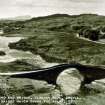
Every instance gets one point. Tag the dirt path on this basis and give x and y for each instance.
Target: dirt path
(98, 42)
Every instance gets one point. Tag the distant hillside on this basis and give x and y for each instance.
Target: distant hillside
(54, 37)
(26, 17)
(18, 18)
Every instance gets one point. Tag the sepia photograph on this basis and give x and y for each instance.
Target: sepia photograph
(52, 52)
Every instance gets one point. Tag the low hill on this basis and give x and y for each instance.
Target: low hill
(54, 38)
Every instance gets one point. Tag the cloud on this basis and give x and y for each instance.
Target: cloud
(32, 3)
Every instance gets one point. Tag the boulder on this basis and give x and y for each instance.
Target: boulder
(69, 81)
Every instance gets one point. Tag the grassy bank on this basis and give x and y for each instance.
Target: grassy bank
(63, 47)
(16, 66)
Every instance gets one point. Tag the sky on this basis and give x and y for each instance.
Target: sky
(34, 8)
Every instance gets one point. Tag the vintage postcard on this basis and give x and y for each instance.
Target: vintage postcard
(52, 52)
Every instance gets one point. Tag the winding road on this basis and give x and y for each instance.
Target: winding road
(98, 42)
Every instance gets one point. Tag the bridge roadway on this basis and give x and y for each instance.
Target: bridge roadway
(50, 74)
